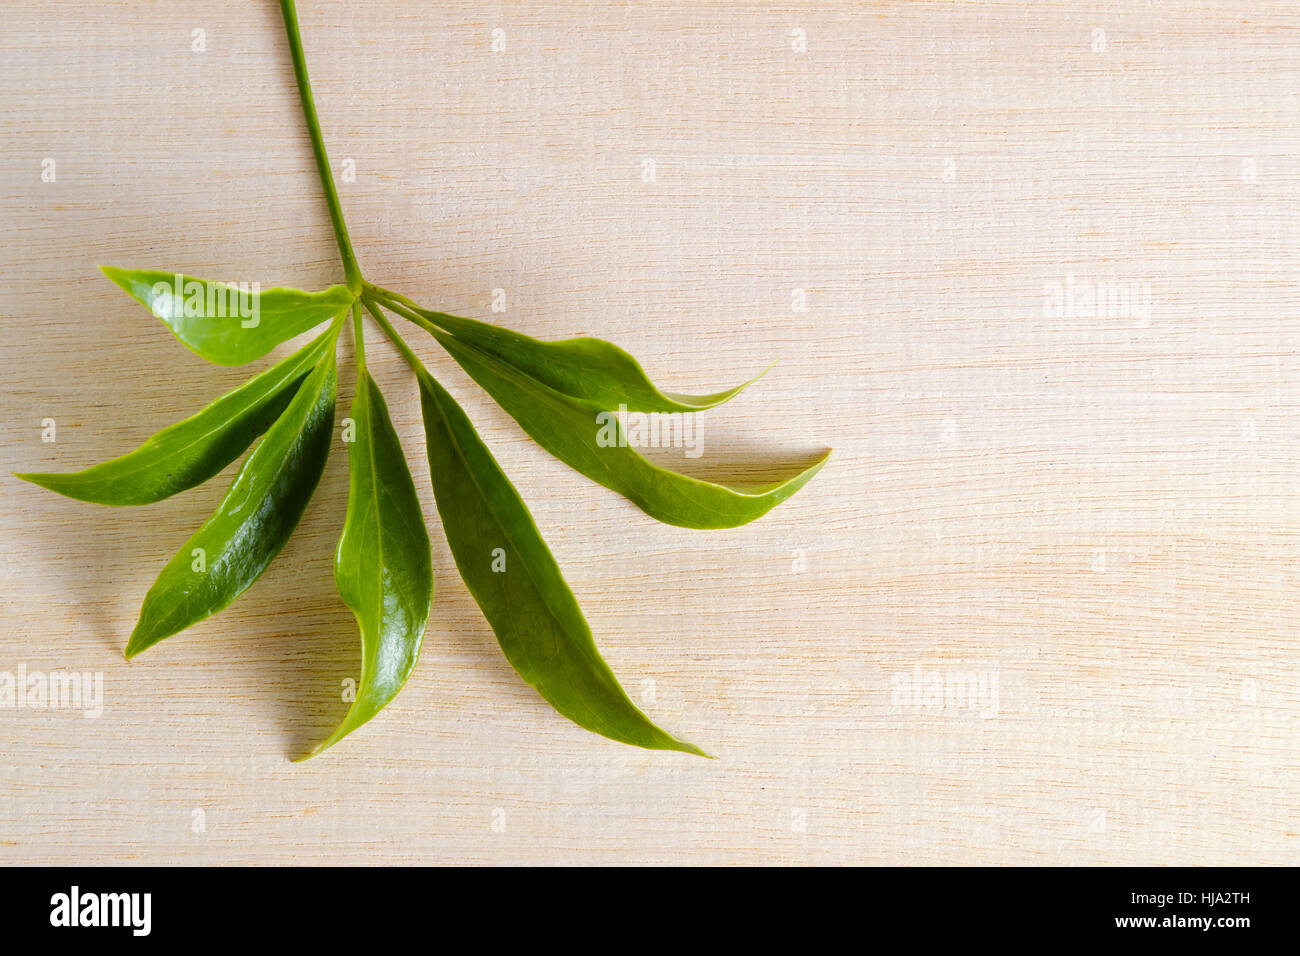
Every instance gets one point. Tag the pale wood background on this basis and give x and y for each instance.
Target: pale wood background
(1102, 511)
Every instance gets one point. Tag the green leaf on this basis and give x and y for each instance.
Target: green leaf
(254, 520)
(596, 445)
(591, 371)
(191, 451)
(382, 568)
(515, 580)
(224, 323)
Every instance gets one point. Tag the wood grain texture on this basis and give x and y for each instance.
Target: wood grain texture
(1099, 511)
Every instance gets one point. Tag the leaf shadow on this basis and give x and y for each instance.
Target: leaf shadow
(76, 552)
(307, 645)
(738, 462)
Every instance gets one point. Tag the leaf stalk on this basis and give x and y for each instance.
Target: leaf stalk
(412, 359)
(350, 268)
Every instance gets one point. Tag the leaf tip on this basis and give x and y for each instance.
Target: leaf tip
(339, 733)
(54, 481)
(320, 748)
(137, 643)
(113, 274)
(684, 746)
(689, 748)
(816, 466)
(771, 365)
(43, 479)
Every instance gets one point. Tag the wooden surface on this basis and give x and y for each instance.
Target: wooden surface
(1098, 511)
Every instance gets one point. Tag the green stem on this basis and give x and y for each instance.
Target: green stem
(412, 359)
(394, 303)
(382, 293)
(359, 334)
(350, 267)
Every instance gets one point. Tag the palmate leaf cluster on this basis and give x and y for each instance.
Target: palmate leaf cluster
(561, 394)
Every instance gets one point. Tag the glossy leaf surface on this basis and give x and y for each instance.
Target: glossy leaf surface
(511, 574)
(569, 430)
(254, 520)
(568, 395)
(190, 452)
(591, 371)
(382, 568)
(223, 323)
